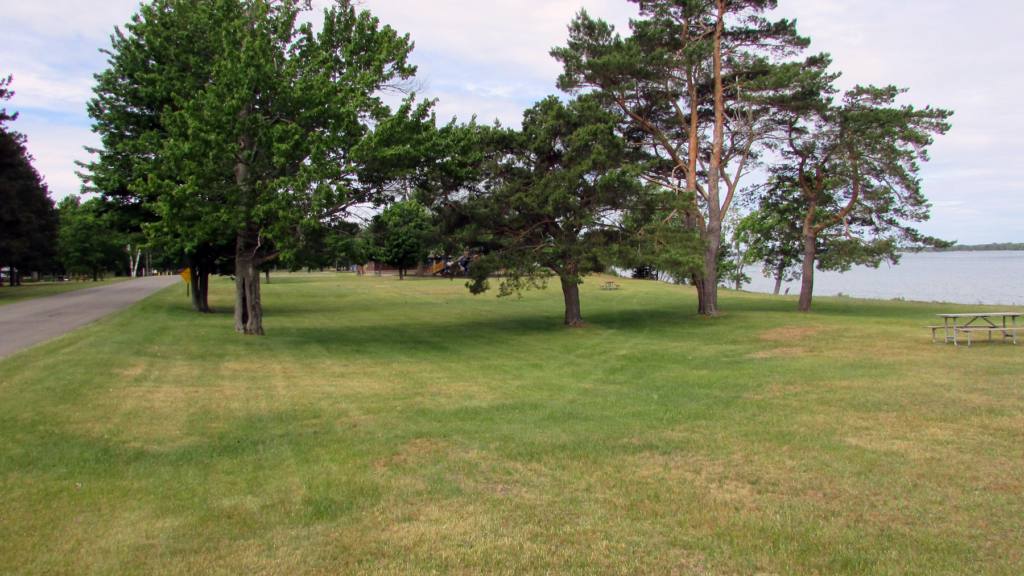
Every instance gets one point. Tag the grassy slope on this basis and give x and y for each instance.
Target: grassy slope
(410, 428)
(29, 290)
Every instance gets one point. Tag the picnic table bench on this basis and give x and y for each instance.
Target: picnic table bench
(951, 332)
(609, 285)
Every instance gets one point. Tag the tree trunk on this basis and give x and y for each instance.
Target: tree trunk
(95, 274)
(419, 269)
(197, 291)
(248, 309)
(204, 289)
(807, 282)
(571, 292)
(268, 275)
(778, 280)
(708, 304)
(707, 284)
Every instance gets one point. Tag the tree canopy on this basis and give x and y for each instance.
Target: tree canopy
(86, 242)
(401, 235)
(695, 87)
(548, 199)
(850, 170)
(261, 129)
(28, 221)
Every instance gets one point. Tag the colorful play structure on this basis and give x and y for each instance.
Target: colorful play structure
(448, 267)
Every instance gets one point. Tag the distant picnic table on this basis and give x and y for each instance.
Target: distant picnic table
(983, 325)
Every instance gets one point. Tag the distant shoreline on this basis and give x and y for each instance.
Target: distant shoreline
(1005, 246)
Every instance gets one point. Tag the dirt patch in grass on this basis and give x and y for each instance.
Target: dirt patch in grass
(136, 369)
(414, 453)
(790, 333)
(421, 448)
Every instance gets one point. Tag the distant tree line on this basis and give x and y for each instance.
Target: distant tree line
(235, 139)
(994, 247)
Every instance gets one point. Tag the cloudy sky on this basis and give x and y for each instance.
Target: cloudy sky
(490, 58)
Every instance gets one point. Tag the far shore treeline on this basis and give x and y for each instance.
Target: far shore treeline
(236, 139)
(996, 247)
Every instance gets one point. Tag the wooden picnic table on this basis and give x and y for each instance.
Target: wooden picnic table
(984, 325)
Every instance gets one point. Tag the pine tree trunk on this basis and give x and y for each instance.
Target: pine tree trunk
(807, 282)
(248, 310)
(707, 284)
(95, 274)
(571, 292)
(708, 304)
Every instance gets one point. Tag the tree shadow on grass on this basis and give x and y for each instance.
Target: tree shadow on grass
(446, 336)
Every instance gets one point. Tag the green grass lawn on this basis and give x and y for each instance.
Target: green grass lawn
(30, 290)
(387, 427)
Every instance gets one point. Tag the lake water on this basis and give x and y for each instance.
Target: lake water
(960, 277)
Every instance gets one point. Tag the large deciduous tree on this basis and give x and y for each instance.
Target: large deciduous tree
(401, 235)
(159, 62)
(86, 242)
(230, 118)
(695, 85)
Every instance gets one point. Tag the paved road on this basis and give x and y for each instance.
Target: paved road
(25, 324)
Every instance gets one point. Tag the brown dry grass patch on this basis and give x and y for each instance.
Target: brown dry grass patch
(789, 351)
(790, 333)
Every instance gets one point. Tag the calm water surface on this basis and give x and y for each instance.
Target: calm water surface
(961, 277)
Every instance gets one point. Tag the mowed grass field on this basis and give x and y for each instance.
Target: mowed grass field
(31, 290)
(387, 427)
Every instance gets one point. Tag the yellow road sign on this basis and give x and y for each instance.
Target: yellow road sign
(187, 275)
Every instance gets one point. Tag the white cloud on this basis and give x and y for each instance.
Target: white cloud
(490, 58)
(952, 56)
(56, 147)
